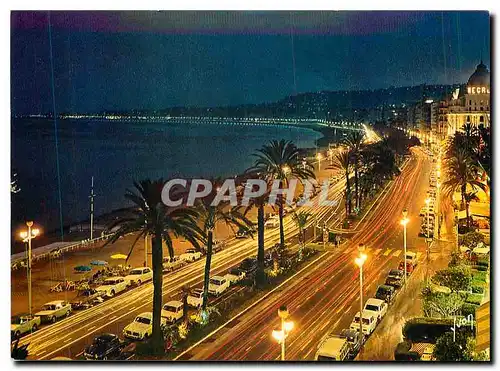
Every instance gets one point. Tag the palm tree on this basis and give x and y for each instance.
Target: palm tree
(185, 292)
(279, 160)
(461, 173)
(300, 220)
(342, 161)
(211, 215)
(259, 203)
(354, 141)
(150, 216)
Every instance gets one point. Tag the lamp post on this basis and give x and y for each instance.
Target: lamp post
(27, 236)
(436, 221)
(286, 327)
(360, 260)
(330, 155)
(404, 222)
(319, 157)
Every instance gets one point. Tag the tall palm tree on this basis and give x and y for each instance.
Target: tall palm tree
(342, 161)
(300, 220)
(279, 160)
(461, 173)
(354, 141)
(259, 203)
(150, 216)
(211, 215)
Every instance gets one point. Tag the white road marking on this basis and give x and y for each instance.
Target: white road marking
(68, 339)
(396, 253)
(377, 251)
(387, 252)
(93, 327)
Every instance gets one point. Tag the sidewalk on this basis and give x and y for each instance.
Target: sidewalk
(408, 304)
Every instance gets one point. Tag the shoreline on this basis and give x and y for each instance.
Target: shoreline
(105, 219)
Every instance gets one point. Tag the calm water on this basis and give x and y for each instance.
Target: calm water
(117, 153)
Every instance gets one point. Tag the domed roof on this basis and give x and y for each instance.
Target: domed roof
(480, 77)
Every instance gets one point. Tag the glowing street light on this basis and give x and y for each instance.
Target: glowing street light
(360, 261)
(319, 157)
(286, 327)
(404, 222)
(27, 236)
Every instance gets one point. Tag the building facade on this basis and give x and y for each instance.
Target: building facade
(471, 104)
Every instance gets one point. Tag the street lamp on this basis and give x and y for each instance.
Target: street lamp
(286, 327)
(436, 221)
(27, 236)
(330, 155)
(360, 260)
(404, 222)
(319, 157)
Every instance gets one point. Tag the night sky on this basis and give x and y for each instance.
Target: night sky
(126, 60)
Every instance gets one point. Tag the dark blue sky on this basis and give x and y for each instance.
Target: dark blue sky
(125, 60)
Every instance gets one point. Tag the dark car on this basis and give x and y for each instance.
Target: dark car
(248, 265)
(395, 278)
(85, 299)
(218, 246)
(352, 337)
(244, 232)
(385, 293)
(104, 347)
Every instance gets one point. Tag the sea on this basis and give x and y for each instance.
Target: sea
(117, 153)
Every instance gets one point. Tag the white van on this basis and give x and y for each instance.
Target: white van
(333, 348)
(411, 257)
(217, 285)
(172, 311)
(369, 322)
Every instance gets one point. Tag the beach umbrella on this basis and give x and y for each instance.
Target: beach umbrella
(98, 262)
(83, 268)
(118, 256)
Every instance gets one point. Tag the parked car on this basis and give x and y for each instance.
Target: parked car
(190, 255)
(411, 257)
(218, 246)
(244, 233)
(172, 264)
(248, 265)
(235, 275)
(172, 311)
(333, 348)
(369, 322)
(217, 285)
(54, 310)
(377, 306)
(139, 275)
(409, 267)
(112, 286)
(104, 347)
(395, 278)
(272, 222)
(386, 293)
(141, 328)
(195, 298)
(354, 341)
(85, 299)
(22, 324)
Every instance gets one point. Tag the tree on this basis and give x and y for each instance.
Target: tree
(19, 352)
(461, 174)
(211, 214)
(442, 304)
(300, 220)
(150, 216)
(342, 162)
(457, 278)
(354, 141)
(459, 349)
(279, 160)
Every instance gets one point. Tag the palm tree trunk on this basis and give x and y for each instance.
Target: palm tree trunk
(348, 193)
(467, 205)
(280, 213)
(356, 183)
(157, 255)
(260, 278)
(208, 262)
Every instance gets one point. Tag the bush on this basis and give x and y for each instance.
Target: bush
(482, 268)
(484, 262)
(474, 299)
(402, 352)
(471, 239)
(468, 309)
(479, 276)
(477, 289)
